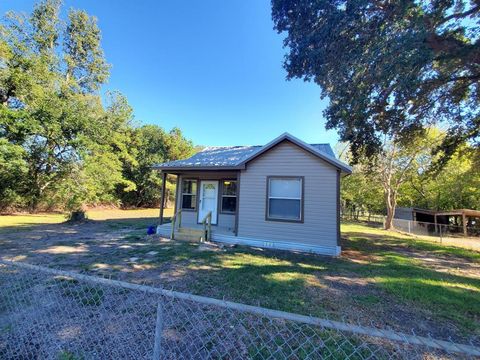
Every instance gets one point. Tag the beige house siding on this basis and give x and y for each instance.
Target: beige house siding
(320, 198)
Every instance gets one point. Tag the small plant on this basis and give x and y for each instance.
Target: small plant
(67, 355)
(77, 216)
(86, 295)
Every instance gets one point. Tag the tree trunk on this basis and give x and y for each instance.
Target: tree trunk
(391, 202)
(389, 219)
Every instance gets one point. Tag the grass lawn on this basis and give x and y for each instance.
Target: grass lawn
(382, 277)
(377, 268)
(19, 221)
(441, 279)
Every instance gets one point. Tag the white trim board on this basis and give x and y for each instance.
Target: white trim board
(278, 245)
(267, 244)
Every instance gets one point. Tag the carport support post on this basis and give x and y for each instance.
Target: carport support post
(464, 223)
(162, 201)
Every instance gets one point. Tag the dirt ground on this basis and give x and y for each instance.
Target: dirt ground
(330, 286)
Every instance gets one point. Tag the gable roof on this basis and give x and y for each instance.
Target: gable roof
(236, 157)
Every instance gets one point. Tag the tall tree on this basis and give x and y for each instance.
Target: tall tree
(456, 186)
(49, 104)
(45, 22)
(390, 174)
(61, 143)
(84, 57)
(388, 67)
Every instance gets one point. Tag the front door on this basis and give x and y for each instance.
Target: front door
(208, 200)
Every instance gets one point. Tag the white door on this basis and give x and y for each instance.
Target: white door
(208, 200)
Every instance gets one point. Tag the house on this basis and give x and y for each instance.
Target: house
(283, 195)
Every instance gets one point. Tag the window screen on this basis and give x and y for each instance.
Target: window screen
(284, 199)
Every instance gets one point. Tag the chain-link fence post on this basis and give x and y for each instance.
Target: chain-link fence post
(48, 314)
(158, 332)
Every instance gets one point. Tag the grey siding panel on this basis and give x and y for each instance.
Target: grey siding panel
(320, 202)
(227, 220)
(190, 217)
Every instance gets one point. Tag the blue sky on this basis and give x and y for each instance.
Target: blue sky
(211, 67)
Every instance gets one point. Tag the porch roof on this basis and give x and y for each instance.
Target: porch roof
(235, 157)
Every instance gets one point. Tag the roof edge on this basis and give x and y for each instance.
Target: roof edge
(286, 136)
(195, 168)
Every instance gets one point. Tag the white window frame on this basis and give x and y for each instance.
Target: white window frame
(189, 194)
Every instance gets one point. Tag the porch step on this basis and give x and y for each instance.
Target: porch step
(189, 231)
(189, 234)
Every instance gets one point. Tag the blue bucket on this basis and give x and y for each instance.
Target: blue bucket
(151, 230)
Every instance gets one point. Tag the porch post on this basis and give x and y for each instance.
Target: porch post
(177, 185)
(162, 200)
(339, 234)
(237, 204)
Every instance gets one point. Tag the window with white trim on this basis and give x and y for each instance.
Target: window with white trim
(229, 196)
(284, 198)
(189, 194)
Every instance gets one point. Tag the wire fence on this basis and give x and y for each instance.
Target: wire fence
(447, 234)
(52, 314)
(363, 216)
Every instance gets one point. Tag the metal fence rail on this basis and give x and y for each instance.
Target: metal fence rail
(51, 314)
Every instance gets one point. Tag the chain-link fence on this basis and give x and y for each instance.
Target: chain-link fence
(53, 314)
(447, 234)
(363, 216)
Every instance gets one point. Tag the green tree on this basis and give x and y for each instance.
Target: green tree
(380, 183)
(361, 192)
(61, 145)
(388, 68)
(85, 62)
(456, 186)
(153, 146)
(13, 171)
(50, 106)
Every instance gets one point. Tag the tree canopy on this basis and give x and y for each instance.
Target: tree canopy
(63, 144)
(400, 176)
(388, 67)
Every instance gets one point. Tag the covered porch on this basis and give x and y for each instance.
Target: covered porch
(204, 200)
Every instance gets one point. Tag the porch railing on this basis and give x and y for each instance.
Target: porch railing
(207, 227)
(176, 217)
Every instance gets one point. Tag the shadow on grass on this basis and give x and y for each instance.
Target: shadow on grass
(377, 244)
(313, 285)
(302, 283)
(136, 223)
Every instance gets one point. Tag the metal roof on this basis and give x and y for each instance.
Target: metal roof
(233, 157)
(215, 156)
